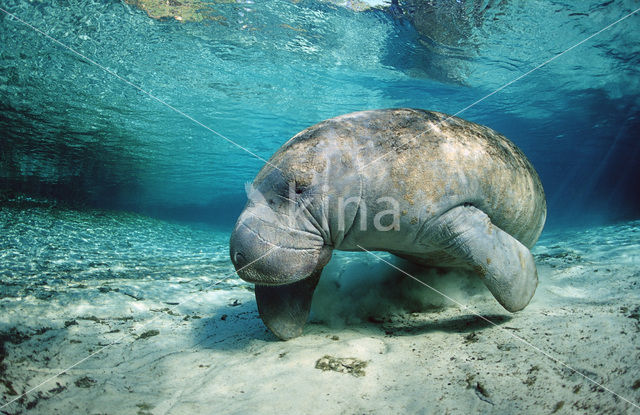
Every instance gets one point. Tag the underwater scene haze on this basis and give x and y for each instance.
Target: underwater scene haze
(129, 130)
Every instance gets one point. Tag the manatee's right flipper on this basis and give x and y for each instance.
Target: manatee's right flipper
(505, 265)
(284, 308)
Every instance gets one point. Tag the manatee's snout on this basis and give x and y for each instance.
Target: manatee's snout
(277, 245)
(285, 264)
(268, 254)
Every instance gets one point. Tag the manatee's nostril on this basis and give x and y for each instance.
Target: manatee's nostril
(239, 259)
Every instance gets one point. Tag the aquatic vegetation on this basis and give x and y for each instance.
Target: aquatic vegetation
(147, 334)
(357, 5)
(183, 10)
(84, 382)
(349, 365)
(202, 10)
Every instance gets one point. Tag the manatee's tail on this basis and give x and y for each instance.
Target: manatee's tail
(284, 309)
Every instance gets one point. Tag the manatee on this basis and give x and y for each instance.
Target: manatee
(428, 187)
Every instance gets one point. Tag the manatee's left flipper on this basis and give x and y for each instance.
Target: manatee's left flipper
(284, 309)
(506, 266)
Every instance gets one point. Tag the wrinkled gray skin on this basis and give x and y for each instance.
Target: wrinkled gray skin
(468, 198)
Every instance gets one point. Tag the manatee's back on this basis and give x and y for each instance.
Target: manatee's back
(437, 162)
(429, 161)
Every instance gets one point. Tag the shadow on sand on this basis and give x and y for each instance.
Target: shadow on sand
(239, 327)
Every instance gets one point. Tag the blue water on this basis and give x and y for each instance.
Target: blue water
(263, 71)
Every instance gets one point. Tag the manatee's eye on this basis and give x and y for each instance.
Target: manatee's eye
(299, 188)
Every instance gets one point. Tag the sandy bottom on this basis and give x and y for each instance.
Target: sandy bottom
(135, 298)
